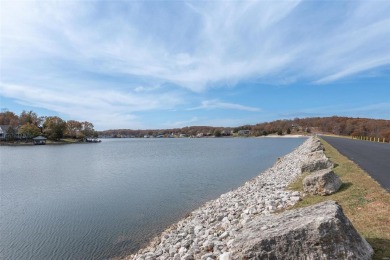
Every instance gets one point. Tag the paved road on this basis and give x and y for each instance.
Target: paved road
(373, 157)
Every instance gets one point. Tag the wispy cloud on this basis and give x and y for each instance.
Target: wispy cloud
(105, 108)
(355, 68)
(182, 123)
(378, 110)
(216, 104)
(229, 41)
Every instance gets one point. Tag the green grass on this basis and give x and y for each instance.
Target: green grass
(70, 140)
(63, 141)
(363, 200)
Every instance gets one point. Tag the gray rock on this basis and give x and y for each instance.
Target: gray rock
(187, 257)
(206, 256)
(324, 182)
(208, 245)
(225, 256)
(316, 146)
(224, 235)
(186, 243)
(197, 229)
(295, 198)
(150, 257)
(172, 251)
(321, 231)
(316, 161)
(182, 251)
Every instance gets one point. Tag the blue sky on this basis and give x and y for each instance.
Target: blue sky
(163, 64)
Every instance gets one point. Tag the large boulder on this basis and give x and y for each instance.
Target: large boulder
(323, 182)
(316, 161)
(321, 231)
(316, 145)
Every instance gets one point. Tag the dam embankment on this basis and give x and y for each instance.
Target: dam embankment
(210, 231)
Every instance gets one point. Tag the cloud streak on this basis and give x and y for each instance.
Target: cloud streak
(182, 123)
(216, 104)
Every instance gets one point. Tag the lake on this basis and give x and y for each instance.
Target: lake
(98, 201)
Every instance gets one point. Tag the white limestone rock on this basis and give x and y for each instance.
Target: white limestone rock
(225, 256)
(316, 161)
(323, 182)
(321, 231)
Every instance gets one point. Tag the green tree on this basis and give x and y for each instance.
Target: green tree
(288, 131)
(9, 118)
(54, 127)
(217, 133)
(87, 129)
(30, 130)
(73, 128)
(29, 117)
(11, 133)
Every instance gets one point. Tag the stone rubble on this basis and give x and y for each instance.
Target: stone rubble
(209, 232)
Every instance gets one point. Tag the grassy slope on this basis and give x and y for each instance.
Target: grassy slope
(363, 200)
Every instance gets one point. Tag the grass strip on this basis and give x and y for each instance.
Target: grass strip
(363, 200)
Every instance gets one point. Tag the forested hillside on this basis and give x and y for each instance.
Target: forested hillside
(330, 125)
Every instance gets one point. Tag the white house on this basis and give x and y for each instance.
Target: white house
(3, 131)
(244, 132)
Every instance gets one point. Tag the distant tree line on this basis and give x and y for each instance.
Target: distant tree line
(28, 124)
(329, 125)
(187, 131)
(347, 126)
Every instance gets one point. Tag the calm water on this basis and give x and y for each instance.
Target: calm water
(96, 201)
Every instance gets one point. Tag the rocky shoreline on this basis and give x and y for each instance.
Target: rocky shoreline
(210, 231)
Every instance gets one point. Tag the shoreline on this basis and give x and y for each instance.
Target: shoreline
(283, 136)
(31, 144)
(209, 231)
(2, 143)
(5, 143)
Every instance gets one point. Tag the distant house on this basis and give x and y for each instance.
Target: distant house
(244, 132)
(3, 131)
(226, 132)
(296, 127)
(92, 140)
(39, 140)
(9, 132)
(199, 135)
